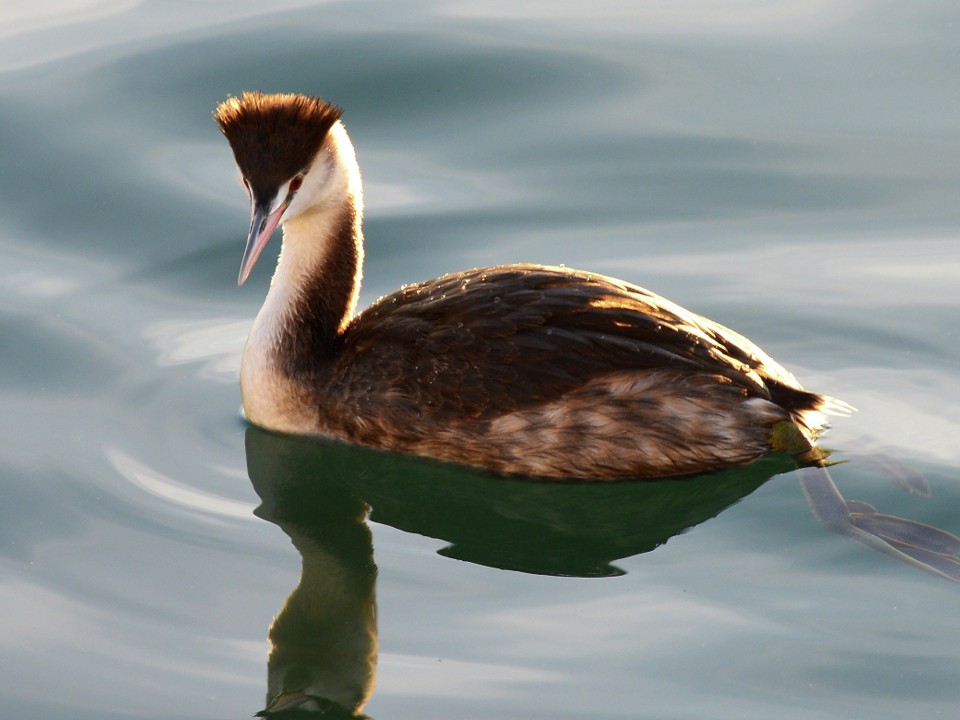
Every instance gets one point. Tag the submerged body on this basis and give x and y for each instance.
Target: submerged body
(523, 369)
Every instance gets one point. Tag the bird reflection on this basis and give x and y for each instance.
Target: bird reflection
(320, 493)
(324, 640)
(545, 528)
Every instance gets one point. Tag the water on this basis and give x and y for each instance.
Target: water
(789, 169)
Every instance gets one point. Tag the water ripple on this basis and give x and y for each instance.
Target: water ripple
(176, 493)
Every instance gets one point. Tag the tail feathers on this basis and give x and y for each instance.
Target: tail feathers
(835, 406)
(814, 419)
(809, 410)
(807, 421)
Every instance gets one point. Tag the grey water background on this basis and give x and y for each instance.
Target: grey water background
(791, 169)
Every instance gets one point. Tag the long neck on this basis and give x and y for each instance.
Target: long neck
(314, 290)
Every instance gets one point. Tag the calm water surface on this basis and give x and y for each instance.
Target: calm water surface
(791, 169)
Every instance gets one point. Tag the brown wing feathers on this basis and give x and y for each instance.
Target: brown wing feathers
(524, 335)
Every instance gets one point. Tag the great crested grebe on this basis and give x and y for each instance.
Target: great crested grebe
(525, 369)
(521, 369)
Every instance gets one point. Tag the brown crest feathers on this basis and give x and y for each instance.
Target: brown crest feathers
(274, 137)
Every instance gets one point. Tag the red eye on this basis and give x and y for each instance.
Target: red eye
(296, 183)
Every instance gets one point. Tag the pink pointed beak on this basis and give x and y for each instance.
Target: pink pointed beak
(262, 226)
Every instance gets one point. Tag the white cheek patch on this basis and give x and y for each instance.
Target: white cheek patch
(332, 173)
(315, 186)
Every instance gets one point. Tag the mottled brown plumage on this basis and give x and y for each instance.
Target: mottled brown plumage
(555, 372)
(520, 368)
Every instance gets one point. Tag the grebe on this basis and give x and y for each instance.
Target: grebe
(524, 369)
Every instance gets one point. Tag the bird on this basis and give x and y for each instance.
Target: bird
(524, 370)
(520, 369)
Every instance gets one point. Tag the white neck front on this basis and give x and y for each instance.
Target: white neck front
(314, 290)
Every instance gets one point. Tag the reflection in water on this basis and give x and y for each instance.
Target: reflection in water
(541, 527)
(319, 492)
(324, 641)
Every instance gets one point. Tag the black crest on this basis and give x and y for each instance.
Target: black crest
(274, 137)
